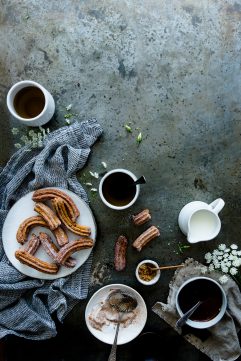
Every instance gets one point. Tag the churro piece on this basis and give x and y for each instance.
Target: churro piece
(48, 215)
(32, 245)
(34, 262)
(146, 237)
(45, 194)
(72, 247)
(120, 253)
(61, 210)
(61, 236)
(52, 250)
(26, 225)
(142, 217)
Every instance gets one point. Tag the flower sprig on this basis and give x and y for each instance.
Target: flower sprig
(33, 139)
(226, 259)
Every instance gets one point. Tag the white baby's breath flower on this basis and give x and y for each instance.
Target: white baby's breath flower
(233, 271)
(208, 255)
(222, 247)
(234, 246)
(211, 267)
(17, 145)
(15, 131)
(227, 250)
(237, 262)
(69, 107)
(228, 264)
(220, 258)
(104, 164)
(216, 252)
(225, 255)
(203, 270)
(67, 121)
(223, 279)
(217, 264)
(231, 257)
(224, 269)
(234, 252)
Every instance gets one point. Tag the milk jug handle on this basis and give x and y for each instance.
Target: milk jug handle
(217, 205)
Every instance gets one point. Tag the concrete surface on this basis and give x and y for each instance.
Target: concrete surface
(171, 69)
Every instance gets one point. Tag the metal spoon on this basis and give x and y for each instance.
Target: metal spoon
(182, 320)
(123, 303)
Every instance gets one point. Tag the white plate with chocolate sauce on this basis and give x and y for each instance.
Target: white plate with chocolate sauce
(101, 318)
(23, 209)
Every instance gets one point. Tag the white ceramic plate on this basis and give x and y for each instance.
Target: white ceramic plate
(23, 209)
(107, 333)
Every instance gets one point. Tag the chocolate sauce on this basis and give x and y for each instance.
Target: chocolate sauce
(201, 290)
(118, 189)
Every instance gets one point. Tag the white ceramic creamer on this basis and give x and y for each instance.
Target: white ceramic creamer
(200, 221)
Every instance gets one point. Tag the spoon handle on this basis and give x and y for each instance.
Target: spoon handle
(112, 356)
(181, 322)
(167, 267)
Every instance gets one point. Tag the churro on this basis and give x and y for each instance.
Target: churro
(45, 194)
(142, 217)
(52, 250)
(48, 215)
(34, 262)
(72, 247)
(26, 225)
(146, 237)
(61, 210)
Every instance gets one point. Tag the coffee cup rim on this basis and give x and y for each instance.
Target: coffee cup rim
(120, 170)
(10, 99)
(213, 321)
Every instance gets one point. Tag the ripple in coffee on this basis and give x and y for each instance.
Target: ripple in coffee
(119, 189)
(29, 102)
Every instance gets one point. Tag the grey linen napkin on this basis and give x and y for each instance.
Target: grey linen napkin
(222, 343)
(26, 304)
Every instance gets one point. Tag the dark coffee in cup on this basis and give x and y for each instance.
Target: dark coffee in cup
(29, 102)
(201, 290)
(119, 189)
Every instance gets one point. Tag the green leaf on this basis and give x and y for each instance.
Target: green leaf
(128, 128)
(139, 138)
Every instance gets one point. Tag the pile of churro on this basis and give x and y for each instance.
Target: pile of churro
(61, 216)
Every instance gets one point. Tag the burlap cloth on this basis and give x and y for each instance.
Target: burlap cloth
(219, 342)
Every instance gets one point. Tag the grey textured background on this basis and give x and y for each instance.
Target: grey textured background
(172, 69)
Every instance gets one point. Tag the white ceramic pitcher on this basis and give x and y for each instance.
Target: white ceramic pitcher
(200, 221)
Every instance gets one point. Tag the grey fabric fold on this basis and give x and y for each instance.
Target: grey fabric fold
(26, 304)
(222, 343)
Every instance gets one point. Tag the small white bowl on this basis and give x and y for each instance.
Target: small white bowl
(153, 280)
